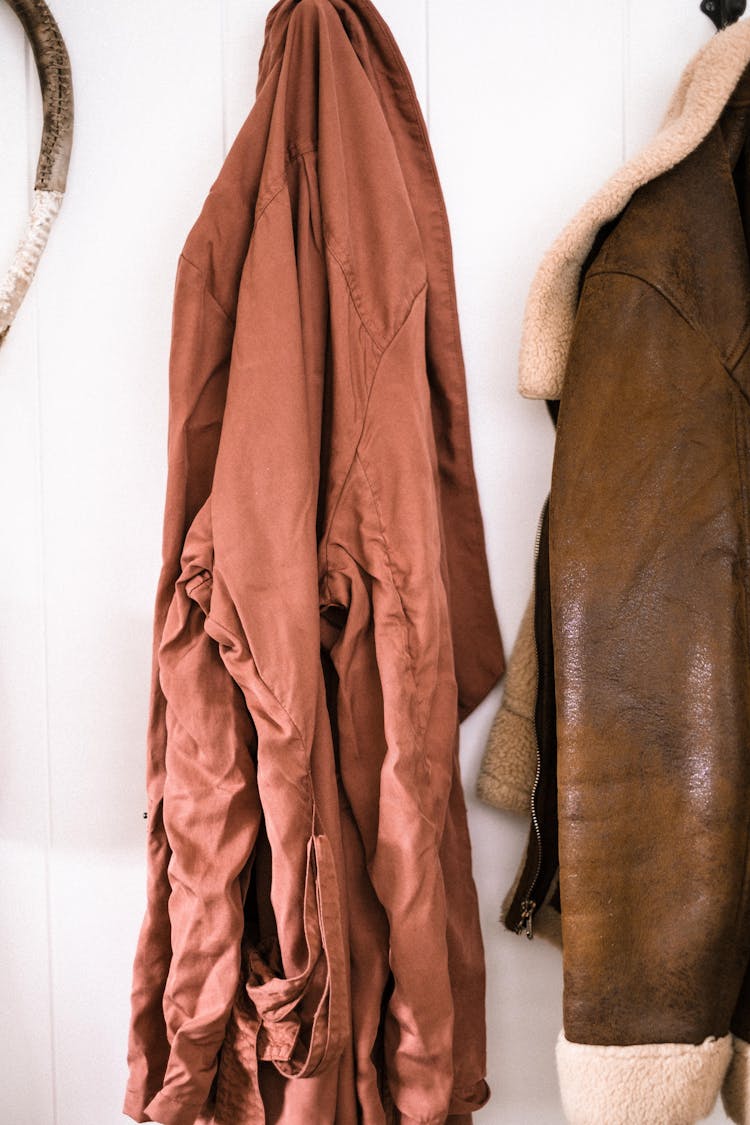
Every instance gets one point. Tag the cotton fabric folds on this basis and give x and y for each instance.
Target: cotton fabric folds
(311, 949)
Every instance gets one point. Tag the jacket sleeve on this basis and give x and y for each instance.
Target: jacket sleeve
(199, 362)
(648, 573)
(506, 777)
(211, 813)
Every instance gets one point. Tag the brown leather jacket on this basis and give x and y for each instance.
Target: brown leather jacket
(323, 618)
(641, 805)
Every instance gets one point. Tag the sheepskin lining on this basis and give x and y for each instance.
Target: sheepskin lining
(735, 1093)
(649, 1084)
(704, 90)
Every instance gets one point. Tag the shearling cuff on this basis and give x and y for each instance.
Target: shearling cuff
(736, 1090)
(506, 778)
(647, 1084)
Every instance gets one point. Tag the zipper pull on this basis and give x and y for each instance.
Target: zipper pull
(526, 925)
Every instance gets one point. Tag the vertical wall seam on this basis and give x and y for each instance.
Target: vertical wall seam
(223, 69)
(428, 90)
(625, 77)
(32, 152)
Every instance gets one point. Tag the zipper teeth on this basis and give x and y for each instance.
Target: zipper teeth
(528, 906)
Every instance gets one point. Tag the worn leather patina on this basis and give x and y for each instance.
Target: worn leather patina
(649, 586)
(637, 323)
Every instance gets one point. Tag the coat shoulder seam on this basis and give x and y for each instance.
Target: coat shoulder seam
(381, 344)
(670, 298)
(355, 455)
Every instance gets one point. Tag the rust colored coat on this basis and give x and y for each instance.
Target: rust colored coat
(323, 618)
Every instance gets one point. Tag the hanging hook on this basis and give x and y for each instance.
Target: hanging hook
(723, 12)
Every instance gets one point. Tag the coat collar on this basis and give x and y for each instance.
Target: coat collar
(704, 90)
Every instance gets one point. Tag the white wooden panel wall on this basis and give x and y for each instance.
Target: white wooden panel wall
(530, 106)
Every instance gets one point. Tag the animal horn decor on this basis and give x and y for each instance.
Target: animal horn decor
(53, 67)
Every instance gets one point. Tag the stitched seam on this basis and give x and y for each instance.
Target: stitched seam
(738, 360)
(294, 153)
(201, 274)
(345, 482)
(245, 647)
(727, 366)
(350, 285)
(197, 582)
(740, 347)
(475, 522)
(667, 295)
(181, 1104)
(391, 572)
(273, 191)
(347, 476)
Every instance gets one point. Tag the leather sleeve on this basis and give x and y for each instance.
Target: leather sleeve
(648, 577)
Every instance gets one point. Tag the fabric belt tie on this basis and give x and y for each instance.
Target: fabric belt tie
(265, 1021)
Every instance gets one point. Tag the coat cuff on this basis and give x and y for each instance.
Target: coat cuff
(645, 1084)
(736, 1090)
(507, 774)
(509, 765)
(162, 1108)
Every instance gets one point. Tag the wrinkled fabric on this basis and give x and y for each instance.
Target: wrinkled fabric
(311, 949)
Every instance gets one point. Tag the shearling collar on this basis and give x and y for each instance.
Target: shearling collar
(704, 90)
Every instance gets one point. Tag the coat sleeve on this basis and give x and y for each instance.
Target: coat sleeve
(201, 346)
(211, 813)
(648, 575)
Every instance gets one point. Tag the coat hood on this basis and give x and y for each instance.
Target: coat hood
(705, 88)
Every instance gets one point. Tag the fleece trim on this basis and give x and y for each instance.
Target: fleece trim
(506, 777)
(735, 1093)
(647, 1084)
(704, 90)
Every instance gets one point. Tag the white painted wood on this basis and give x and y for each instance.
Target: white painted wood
(148, 88)
(526, 120)
(25, 994)
(661, 39)
(528, 115)
(243, 27)
(528, 112)
(408, 22)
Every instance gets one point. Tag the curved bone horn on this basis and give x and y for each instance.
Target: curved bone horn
(53, 66)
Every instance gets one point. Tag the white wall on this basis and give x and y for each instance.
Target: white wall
(530, 106)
